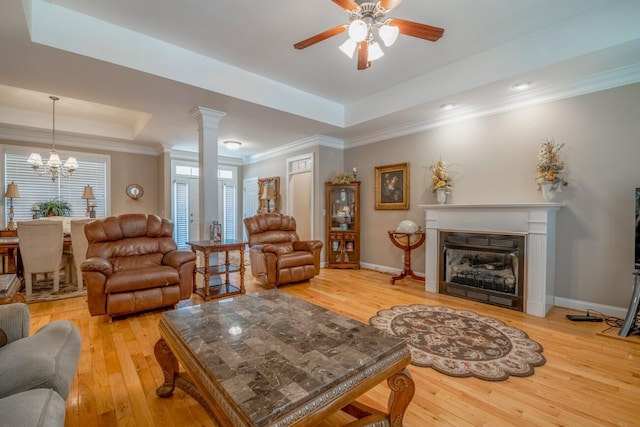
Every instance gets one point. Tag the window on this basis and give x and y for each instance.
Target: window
(92, 170)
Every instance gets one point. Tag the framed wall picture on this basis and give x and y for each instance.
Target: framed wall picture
(392, 186)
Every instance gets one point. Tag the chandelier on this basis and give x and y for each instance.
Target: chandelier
(54, 167)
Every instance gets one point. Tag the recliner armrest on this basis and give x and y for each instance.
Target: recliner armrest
(99, 265)
(14, 321)
(307, 245)
(176, 258)
(270, 249)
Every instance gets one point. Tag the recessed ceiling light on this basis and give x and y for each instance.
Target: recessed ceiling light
(232, 145)
(447, 106)
(521, 86)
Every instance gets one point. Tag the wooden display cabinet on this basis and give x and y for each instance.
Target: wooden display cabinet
(343, 225)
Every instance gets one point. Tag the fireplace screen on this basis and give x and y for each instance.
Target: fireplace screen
(484, 267)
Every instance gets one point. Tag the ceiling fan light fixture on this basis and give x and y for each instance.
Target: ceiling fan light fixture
(358, 30)
(375, 51)
(389, 34)
(348, 47)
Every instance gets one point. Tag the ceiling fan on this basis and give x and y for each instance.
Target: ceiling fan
(364, 18)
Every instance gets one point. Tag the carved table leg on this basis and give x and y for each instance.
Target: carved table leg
(402, 390)
(169, 365)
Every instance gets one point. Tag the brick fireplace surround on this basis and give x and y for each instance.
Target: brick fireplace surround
(537, 221)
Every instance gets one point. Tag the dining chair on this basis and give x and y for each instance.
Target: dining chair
(40, 243)
(79, 245)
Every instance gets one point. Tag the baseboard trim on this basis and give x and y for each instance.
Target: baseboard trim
(609, 310)
(573, 304)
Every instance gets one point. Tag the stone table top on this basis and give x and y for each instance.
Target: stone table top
(271, 352)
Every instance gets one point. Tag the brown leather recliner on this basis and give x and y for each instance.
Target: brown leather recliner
(133, 265)
(276, 253)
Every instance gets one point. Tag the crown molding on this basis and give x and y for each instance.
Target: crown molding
(305, 143)
(22, 134)
(597, 82)
(606, 80)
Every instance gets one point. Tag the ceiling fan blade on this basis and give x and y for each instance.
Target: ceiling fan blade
(320, 37)
(414, 29)
(363, 56)
(389, 4)
(346, 4)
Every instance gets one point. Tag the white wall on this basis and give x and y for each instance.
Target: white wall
(494, 160)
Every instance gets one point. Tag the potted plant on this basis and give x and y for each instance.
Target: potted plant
(55, 207)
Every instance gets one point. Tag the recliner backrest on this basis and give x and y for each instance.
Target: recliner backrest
(130, 240)
(271, 228)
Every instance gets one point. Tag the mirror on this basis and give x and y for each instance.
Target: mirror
(135, 191)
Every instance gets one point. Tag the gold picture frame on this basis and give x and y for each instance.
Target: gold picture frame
(269, 200)
(392, 186)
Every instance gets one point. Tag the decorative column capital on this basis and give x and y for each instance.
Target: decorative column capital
(207, 118)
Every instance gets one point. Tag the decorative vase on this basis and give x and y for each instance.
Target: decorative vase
(441, 195)
(549, 191)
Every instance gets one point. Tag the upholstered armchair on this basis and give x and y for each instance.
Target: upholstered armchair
(133, 265)
(276, 253)
(36, 371)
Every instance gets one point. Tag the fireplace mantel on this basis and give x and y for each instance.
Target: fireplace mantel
(536, 220)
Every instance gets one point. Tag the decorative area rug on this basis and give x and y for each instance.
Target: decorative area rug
(461, 343)
(42, 290)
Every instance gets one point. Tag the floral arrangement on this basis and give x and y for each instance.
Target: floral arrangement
(342, 178)
(439, 176)
(550, 166)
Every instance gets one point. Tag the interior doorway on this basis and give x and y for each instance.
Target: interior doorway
(300, 194)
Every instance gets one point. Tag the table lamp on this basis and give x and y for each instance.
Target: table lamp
(12, 192)
(87, 194)
(268, 194)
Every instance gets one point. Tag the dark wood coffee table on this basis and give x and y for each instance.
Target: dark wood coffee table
(271, 359)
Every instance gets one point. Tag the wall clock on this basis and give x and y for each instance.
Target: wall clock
(135, 191)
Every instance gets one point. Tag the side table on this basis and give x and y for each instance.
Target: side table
(407, 242)
(214, 287)
(9, 287)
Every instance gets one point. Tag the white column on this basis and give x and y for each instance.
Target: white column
(208, 121)
(431, 282)
(541, 261)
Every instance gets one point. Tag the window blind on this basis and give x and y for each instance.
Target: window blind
(181, 214)
(229, 214)
(35, 189)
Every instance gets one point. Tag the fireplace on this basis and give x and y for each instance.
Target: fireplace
(486, 267)
(535, 223)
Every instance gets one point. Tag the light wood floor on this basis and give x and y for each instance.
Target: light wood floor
(588, 380)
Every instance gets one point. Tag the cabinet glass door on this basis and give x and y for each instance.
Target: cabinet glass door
(343, 209)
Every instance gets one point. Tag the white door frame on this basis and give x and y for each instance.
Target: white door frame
(302, 164)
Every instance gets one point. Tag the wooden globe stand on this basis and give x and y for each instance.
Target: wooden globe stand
(407, 242)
